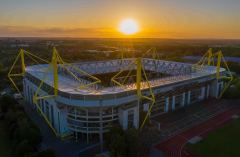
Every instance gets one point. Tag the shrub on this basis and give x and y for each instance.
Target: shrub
(34, 136)
(26, 132)
(44, 153)
(6, 103)
(25, 135)
(10, 117)
(132, 141)
(47, 153)
(115, 141)
(23, 148)
(233, 92)
(125, 143)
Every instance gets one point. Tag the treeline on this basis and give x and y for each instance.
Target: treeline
(125, 143)
(24, 135)
(233, 92)
(235, 67)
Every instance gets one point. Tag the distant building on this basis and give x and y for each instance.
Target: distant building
(106, 52)
(20, 45)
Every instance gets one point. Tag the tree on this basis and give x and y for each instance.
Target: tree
(115, 141)
(44, 153)
(26, 131)
(233, 92)
(118, 146)
(23, 148)
(125, 143)
(131, 137)
(7, 102)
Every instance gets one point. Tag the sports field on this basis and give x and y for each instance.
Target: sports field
(219, 140)
(223, 142)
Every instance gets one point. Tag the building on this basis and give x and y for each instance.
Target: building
(92, 110)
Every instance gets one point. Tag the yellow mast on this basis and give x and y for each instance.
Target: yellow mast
(55, 71)
(22, 61)
(210, 56)
(139, 76)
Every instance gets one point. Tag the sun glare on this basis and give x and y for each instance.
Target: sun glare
(128, 27)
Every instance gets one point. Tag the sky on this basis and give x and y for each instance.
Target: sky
(101, 18)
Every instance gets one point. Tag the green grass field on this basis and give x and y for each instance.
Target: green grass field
(224, 142)
(5, 147)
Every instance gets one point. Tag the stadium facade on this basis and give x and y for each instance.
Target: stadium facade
(94, 109)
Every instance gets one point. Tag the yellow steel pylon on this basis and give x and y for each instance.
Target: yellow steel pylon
(228, 78)
(141, 78)
(151, 98)
(10, 74)
(209, 59)
(22, 56)
(53, 67)
(151, 52)
(55, 71)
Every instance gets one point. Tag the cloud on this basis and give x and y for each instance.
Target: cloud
(24, 31)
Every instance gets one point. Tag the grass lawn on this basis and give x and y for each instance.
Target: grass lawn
(224, 142)
(5, 147)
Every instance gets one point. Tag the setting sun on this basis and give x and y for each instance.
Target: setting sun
(128, 27)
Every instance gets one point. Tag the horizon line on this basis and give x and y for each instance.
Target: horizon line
(59, 37)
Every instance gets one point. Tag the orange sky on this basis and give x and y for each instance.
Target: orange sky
(100, 18)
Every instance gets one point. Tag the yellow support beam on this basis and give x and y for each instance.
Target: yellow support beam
(10, 74)
(36, 57)
(46, 119)
(64, 64)
(151, 98)
(22, 61)
(139, 76)
(151, 52)
(115, 77)
(53, 67)
(210, 56)
(54, 64)
(21, 56)
(207, 59)
(219, 59)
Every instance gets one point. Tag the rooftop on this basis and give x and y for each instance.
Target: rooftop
(176, 72)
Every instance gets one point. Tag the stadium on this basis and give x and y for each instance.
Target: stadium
(87, 98)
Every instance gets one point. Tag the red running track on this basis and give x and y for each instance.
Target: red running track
(173, 147)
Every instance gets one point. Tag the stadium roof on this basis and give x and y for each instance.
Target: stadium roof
(178, 72)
